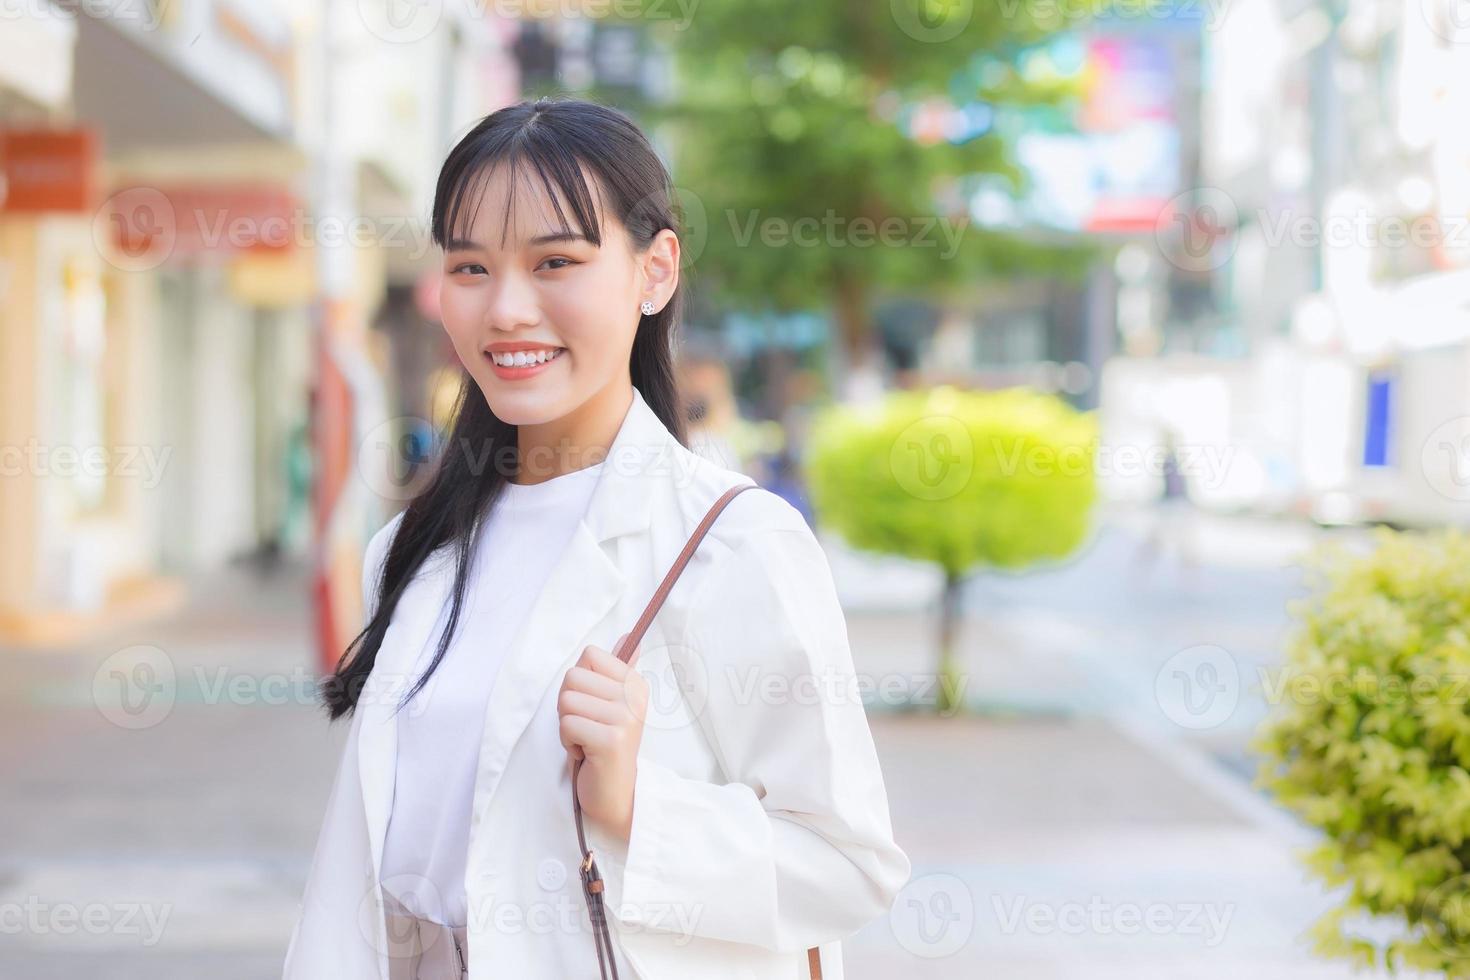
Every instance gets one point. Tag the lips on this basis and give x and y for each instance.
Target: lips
(523, 356)
(522, 362)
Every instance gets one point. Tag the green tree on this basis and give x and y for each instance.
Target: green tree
(1368, 740)
(965, 479)
(802, 186)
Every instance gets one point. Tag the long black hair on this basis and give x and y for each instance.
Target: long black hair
(551, 135)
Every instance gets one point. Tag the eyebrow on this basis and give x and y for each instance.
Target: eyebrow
(465, 244)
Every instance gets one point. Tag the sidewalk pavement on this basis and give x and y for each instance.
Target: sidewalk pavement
(202, 823)
(1086, 823)
(1061, 844)
(1052, 848)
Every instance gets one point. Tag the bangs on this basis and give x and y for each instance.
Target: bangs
(531, 163)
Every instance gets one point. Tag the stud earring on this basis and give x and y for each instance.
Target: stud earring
(647, 307)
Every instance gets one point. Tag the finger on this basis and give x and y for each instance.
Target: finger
(588, 681)
(587, 706)
(592, 736)
(598, 659)
(623, 693)
(573, 747)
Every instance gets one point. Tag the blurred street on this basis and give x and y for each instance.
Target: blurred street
(1047, 831)
(1110, 632)
(207, 820)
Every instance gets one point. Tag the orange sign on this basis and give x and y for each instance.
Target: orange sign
(48, 170)
(179, 221)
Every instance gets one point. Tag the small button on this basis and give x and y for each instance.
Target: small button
(552, 874)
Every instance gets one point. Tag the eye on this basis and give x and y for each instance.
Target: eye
(468, 267)
(558, 258)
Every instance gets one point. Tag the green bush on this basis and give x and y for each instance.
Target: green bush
(964, 479)
(1370, 743)
(960, 478)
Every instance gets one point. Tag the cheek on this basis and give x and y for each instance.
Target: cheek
(590, 319)
(459, 312)
(571, 317)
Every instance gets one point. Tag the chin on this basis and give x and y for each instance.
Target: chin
(521, 407)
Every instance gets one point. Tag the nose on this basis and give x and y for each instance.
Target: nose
(511, 303)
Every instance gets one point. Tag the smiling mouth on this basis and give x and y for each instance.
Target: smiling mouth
(515, 359)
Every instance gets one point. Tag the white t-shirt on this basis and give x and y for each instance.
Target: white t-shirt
(439, 732)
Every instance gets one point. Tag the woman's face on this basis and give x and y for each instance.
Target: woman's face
(540, 293)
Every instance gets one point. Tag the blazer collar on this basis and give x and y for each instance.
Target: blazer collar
(585, 585)
(644, 448)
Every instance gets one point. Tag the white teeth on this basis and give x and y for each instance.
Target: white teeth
(523, 358)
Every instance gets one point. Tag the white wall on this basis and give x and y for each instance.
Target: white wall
(221, 465)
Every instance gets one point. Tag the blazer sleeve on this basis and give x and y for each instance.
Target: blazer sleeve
(373, 557)
(796, 848)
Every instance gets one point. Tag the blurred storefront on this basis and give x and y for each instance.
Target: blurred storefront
(216, 281)
(153, 336)
(1327, 237)
(69, 341)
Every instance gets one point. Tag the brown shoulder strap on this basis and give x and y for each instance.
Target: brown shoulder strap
(591, 878)
(667, 585)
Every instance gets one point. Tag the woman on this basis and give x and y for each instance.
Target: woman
(730, 788)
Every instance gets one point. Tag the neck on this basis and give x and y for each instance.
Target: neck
(579, 439)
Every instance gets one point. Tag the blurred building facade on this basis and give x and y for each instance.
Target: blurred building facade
(1311, 295)
(218, 292)
(206, 205)
(152, 333)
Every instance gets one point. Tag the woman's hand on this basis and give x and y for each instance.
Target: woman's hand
(602, 704)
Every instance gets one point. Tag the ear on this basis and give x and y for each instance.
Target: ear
(661, 267)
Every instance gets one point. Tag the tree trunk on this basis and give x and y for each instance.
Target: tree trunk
(854, 333)
(950, 688)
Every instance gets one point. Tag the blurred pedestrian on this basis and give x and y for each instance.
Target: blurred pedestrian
(1171, 527)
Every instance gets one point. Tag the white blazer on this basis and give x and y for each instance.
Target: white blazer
(761, 823)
